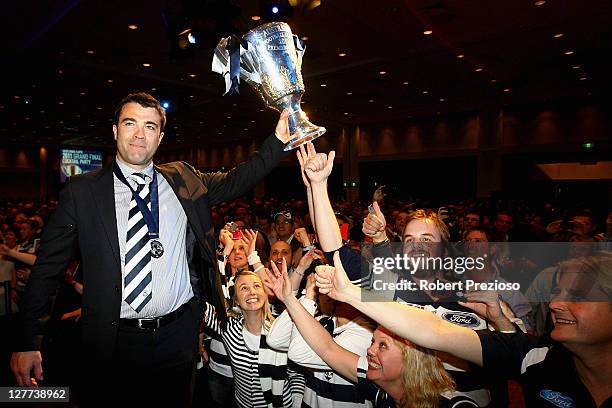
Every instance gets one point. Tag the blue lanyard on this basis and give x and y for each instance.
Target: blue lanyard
(151, 217)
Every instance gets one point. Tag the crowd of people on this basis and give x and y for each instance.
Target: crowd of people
(290, 314)
(329, 366)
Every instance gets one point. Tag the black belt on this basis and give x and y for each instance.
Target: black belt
(153, 323)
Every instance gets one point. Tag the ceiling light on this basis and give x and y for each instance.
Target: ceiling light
(133, 27)
(582, 78)
(192, 75)
(342, 54)
(91, 52)
(382, 72)
(540, 2)
(425, 92)
(405, 83)
(60, 102)
(345, 113)
(255, 18)
(569, 52)
(83, 93)
(507, 90)
(146, 64)
(371, 100)
(478, 69)
(110, 81)
(460, 56)
(349, 93)
(576, 67)
(428, 32)
(442, 99)
(558, 35)
(389, 107)
(304, 38)
(323, 85)
(493, 81)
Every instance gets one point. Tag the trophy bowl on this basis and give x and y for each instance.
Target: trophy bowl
(269, 58)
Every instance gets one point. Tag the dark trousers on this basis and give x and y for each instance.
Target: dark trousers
(150, 367)
(221, 390)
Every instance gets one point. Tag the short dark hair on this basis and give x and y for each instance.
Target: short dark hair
(584, 213)
(504, 212)
(492, 236)
(145, 100)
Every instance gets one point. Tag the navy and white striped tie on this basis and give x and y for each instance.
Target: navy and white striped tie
(137, 281)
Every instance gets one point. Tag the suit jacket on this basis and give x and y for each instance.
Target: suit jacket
(85, 219)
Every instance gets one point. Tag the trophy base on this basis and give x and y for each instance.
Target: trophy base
(304, 136)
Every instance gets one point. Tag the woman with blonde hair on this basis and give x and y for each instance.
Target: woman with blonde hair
(260, 373)
(395, 373)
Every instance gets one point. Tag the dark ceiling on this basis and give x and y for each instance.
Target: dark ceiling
(67, 63)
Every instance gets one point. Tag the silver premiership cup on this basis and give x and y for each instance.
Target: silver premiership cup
(270, 61)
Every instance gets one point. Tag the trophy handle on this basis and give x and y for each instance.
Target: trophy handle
(249, 66)
(300, 48)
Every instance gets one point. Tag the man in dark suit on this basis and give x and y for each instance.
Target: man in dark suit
(148, 259)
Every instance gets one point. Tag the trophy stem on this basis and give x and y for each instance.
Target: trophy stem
(300, 128)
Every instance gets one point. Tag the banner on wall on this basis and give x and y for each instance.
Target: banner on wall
(76, 161)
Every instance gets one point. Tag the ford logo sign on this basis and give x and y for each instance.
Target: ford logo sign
(461, 318)
(557, 399)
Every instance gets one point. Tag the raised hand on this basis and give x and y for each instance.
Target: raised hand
(379, 194)
(443, 213)
(278, 281)
(488, 304)
(307, 258)
(332, 280)
(302, 156)
(302, 236)
(374, 224)
(225, 238)
(316, 167)
(311, 287)
(249, 237)
(282, 127)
